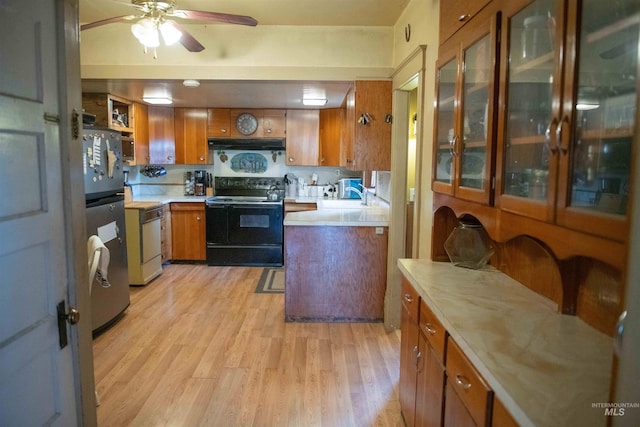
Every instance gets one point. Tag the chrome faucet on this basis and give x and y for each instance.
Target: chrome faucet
(362, 194)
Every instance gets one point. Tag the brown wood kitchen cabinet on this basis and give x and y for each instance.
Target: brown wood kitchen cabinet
(165, 233)
(367, 130)
(469, 398)
(351, 288)
(114, 113)
(422, 372)
(188, 239)
(463, 132)
(192, 147)
(218, 122)
(566, 130)
(456, 14)
(303, 132)
(331, 126)
(162, 143)
(140, 134)
(274, 123)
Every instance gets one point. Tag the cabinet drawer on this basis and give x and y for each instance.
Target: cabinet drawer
(468, 383)
(432, 329)
(410, 300)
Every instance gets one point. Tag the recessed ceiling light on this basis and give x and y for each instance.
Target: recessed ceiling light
(191, 83)
(314, 102)
(157, 100)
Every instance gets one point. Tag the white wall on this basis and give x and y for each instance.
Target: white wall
(235, 52)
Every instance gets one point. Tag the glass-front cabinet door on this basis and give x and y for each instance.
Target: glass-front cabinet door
(531, 63)
(565, 136)
(465, 102)
(599, 123)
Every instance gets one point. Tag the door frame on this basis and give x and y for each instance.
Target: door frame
(411, 69)
(70, 99)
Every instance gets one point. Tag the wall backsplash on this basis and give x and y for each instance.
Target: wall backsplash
(171, 184)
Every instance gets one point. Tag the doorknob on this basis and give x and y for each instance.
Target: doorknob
(73, 317)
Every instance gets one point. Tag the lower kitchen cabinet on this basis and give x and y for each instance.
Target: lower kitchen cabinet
(409, 344)
(188, 239)
(335, 273)
(428, 390)
(465, 383)
(422, 373)
(165, 233)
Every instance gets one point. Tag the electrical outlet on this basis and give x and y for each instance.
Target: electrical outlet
(379, 230)
(338, 172)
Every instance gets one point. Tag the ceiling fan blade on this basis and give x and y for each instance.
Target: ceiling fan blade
(216, 17)
(187, 40)
(106, 21)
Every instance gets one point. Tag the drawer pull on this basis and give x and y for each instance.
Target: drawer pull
(463, 382)
(429, 328)
(464, 17)
(408, 298)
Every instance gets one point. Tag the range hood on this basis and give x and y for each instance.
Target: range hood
(247, 143)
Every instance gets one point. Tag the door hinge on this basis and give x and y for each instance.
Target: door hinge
(50, 117)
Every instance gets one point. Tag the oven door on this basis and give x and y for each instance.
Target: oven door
(255, 224)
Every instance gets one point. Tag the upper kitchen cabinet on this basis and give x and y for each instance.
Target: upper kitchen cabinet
(456, 14)
(257, 123)
(466, 100)
(303, 129)
(367, 131)
(162, 144)
(565, 133)
(140, 143)
(111, 111)
(274, 123)
(218, 122)
(191, 146)
(331, 125)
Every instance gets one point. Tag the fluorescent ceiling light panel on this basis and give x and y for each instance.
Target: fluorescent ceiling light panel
(315, 102)
(157, 100)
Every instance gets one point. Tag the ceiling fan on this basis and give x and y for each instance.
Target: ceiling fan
(152, 22)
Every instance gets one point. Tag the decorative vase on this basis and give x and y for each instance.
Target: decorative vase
(469, 245)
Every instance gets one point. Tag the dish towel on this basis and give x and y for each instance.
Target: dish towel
(99, 257)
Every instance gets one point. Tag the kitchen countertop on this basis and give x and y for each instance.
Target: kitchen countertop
(546, 368)
(168, 199)
(371, 216)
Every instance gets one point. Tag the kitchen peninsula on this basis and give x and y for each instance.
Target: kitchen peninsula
(336, 262)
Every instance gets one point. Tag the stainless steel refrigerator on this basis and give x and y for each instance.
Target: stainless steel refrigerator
(103, 183)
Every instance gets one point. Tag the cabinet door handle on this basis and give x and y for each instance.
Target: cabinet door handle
(463, 381)
(290, 159)
(419, 359)
(408, 298)
(223, 130)
(429, 328)
(268, 130)
(553, 147)
(198, 218)
(464, 17)
(201, 159)
(559, 135)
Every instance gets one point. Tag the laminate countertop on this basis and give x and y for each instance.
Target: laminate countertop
(341, 213)
(170, 199)
(548, 369)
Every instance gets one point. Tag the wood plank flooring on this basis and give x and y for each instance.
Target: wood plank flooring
(197, 347)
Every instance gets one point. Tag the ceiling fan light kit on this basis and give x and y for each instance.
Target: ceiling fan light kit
(153, 22)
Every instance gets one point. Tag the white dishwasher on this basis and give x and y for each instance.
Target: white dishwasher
(143, 241)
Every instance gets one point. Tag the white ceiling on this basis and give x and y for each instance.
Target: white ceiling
(248, 94)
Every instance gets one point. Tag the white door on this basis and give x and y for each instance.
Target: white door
(37, 384)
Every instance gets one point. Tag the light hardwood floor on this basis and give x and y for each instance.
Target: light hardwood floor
(197, 347)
